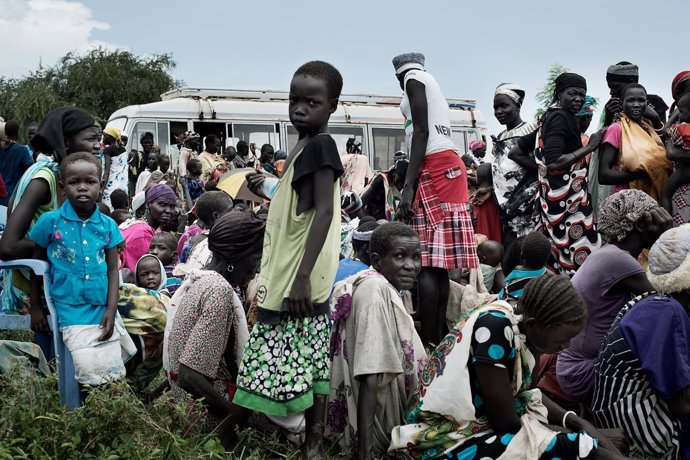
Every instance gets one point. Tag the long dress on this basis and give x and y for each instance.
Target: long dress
(118, 177)
(566, 210)
(514, 187)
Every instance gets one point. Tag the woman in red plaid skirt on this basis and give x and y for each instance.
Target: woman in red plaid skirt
(435, 197)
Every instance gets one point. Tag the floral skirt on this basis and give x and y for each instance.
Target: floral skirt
(284, 365)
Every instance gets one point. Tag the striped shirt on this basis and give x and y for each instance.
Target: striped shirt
(623, 393)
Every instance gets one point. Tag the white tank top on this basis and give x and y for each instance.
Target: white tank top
(437, 112)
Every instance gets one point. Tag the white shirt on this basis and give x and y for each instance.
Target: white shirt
(438, 114)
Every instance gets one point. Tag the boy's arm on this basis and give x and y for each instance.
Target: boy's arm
(108, 321)
(39, 322)
(300, 294)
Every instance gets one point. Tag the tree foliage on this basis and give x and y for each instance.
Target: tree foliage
(101, 81)
(545, 95)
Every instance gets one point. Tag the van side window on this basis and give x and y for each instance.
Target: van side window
(340, 134)
(258, 134)
(140, 128)
(460, 140)
(387, 141)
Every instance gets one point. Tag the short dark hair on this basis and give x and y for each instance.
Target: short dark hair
(79, 156)
(265, 147)
(119, 215)
(212, 202)
(167, 238)
(632, 86)
(551, 300)
(193, 161)
(326, 72)
(12, 129)
(119, 199)
(103, 208)
(211, 139)
(536, 249)
(242, 145)
(383, 236)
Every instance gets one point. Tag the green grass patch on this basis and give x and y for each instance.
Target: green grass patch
(114, 424)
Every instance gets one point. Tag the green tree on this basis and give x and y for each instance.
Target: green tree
(545, 95)
(100, 81)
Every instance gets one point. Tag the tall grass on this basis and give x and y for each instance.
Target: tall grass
(114, 424)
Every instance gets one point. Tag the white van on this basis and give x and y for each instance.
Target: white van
(261, 117)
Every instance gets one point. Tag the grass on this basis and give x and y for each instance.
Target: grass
(114, 424)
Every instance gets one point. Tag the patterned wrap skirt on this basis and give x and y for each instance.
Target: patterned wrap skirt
(284, 365)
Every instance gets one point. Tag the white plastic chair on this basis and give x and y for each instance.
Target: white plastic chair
(67, 383)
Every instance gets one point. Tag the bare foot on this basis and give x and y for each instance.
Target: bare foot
(313, 448)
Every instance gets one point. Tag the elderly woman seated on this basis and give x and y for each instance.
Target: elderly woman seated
(207, 328)
(376, 353)
(642, 379)
(630, 221)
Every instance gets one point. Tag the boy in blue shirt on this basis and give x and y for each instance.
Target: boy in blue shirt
(81, 245)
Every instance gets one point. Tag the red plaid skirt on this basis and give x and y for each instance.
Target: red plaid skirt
(445, 230)
(452, 244)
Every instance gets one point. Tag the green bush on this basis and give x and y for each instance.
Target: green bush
(112, 424)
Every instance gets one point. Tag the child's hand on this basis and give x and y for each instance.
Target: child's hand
(39, 322)
(107, 324)
(300, 298)
(254, 181)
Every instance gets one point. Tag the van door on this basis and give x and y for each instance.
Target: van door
(206, 128)
(386, 141)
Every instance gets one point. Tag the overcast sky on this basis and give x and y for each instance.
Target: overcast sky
(470, 47)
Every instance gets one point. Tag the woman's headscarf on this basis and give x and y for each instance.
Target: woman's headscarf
(280, 155)
(58, 124)
(570, 80)
(190, 135)
(513, 91)
(160, 192)
(164, 276)
(587, 109)
(475, 145)
(669, 261)
(620, 211)
(236, 235)
(680, 78)
(114, 133)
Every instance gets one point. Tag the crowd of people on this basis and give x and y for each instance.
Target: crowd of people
(531, 302)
